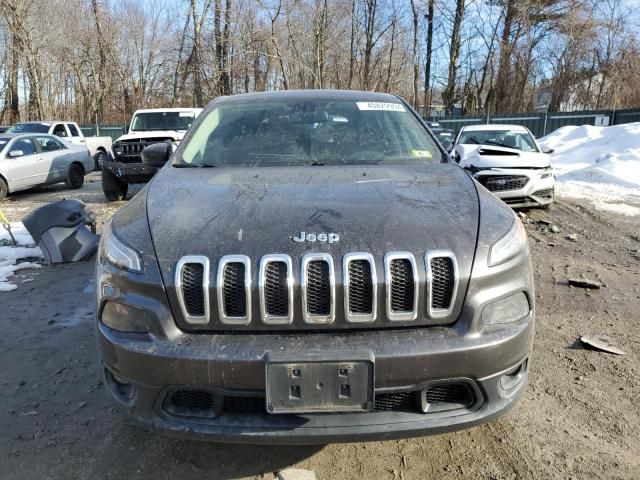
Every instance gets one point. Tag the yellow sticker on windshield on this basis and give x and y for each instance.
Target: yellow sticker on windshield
(421, 153)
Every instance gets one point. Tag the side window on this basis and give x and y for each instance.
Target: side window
(24, 144)
(74, 131)
(49, 144)
(59, 130)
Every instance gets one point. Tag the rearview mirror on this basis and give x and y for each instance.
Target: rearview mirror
(16, 153)
(156, 155)
(547, 150)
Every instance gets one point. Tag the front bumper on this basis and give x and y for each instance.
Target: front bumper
(234, 365)
(536, 192)
(130, 172)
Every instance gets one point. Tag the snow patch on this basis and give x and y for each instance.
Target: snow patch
(10, 255)
(599, 164)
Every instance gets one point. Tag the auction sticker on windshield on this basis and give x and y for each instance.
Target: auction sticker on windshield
(389, 107)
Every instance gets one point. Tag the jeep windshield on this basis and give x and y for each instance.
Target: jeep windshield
(150, 121)
(303, 131)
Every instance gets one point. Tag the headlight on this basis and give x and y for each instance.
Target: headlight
(117, 253)
(509, 246)
(117, 148)
(547, 173)
(125, 318)
(506, 310)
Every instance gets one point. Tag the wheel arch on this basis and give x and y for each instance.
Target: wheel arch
(6, 181)
(76, 162)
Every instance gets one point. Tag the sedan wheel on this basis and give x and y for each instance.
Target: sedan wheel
(75, 177)
(4, 189)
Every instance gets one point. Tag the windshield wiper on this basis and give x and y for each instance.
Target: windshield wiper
(187, 165)
(500, 144)
(316, 164)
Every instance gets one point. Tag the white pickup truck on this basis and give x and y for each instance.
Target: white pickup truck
(99, 147)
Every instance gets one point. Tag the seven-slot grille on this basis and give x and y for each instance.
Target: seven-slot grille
(317, 288)
(502, 183)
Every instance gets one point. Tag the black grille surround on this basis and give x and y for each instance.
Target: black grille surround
(206, 403)
(130, 151)
(503, 183)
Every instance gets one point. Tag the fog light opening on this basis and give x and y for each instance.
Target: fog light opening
(513, 378)
(119, 386)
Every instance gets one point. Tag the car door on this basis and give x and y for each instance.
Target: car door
(74, 135)
(26, 170)
(56, 156)
(59, 130)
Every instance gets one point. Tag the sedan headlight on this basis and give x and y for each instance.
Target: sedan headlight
(509, 246)
(546, 173)
(117, 253)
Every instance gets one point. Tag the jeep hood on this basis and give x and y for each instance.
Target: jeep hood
(491, 156)
(257, 211)
(173, 134)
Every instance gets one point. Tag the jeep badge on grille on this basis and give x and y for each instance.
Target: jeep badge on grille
(320, 237)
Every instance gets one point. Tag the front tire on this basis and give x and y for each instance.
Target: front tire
(98, 159)
(113, 188)
(4, 189)
(75, 177)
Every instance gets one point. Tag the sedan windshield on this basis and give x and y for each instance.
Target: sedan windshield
(30, 128)
(307, 132)
(517, 139)
(162, 121)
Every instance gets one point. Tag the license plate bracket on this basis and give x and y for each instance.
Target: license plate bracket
(317, 383)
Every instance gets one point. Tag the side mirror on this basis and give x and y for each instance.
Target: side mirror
(16, 153)
(547, 150)
(156, 155)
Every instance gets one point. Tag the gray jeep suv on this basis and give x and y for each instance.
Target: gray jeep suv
(309, 267)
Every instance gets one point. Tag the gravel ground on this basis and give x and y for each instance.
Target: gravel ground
(580, 417)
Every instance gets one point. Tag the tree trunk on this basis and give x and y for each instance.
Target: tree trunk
(448, 95)
(502, 82)
(416, 66)
(427, 63)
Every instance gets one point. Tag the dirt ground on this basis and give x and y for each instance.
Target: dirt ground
(579, 419)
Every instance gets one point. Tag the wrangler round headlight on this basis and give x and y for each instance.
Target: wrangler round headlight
(506, 310)
(510, 245)
(117, 253)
